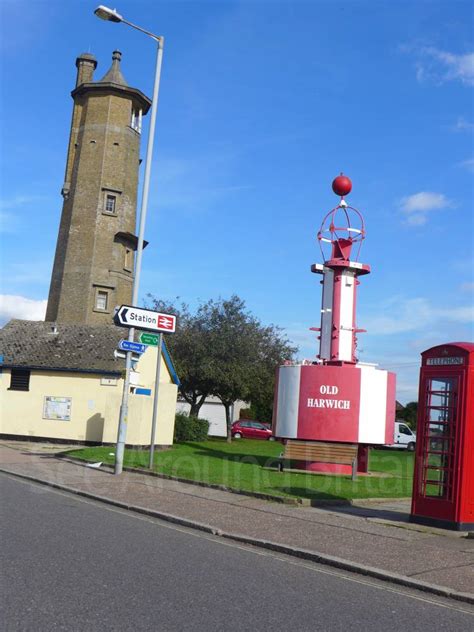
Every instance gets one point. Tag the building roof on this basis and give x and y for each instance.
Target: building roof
(74, 347)
(465, 346)
(114, 73)
(88, 57)
(32, 344)
(113, 82)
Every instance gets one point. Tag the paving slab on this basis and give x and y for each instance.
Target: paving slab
(368, 535)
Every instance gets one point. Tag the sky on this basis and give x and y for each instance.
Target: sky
(261, 105)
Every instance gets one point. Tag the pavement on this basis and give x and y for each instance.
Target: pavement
(372, 538)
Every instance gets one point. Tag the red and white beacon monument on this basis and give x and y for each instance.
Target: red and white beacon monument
(336, 398)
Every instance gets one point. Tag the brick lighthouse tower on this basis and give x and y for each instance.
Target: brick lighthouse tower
(94, 260)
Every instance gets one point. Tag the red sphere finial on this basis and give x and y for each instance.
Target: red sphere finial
(342, 185)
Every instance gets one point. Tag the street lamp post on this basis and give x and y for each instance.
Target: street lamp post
(112, 15)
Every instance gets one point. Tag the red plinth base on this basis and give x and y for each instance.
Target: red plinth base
(327, 468)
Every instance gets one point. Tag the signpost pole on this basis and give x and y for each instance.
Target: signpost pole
(122, 426)
(128, 316)
(155, 400)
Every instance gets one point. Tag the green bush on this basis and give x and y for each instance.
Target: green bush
(190, 428)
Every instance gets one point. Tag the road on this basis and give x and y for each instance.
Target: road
(73, 564)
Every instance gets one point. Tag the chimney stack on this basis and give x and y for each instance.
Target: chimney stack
(85, 64)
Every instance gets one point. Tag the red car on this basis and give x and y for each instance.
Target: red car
(251, 430)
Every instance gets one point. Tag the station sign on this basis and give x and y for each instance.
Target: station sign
(128, 316)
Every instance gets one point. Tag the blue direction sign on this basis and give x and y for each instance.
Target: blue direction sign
(136, 347)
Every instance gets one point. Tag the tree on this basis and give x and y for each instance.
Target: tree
(409, 414)
(234, 352)
(245, 354)
(224, 350)
(188, 349)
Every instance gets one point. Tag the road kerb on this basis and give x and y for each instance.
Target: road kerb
(319, 558)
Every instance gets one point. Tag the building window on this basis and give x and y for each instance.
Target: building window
(101, 300)
(20, 380)
(110, 204)
(128, 263)
(136, 121)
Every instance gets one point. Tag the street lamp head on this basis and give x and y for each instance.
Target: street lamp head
(111, 15)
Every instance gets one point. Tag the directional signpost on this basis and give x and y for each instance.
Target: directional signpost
(159, 344)
(135, 317)
(128, 316)
(135, 347)
(149, 339)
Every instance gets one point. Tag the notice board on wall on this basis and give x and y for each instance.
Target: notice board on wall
(58, 408)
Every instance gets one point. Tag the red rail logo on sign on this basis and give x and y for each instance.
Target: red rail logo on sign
(166, 322)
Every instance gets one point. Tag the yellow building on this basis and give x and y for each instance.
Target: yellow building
(64, 382)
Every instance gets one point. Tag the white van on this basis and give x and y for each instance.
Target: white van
(404, 437)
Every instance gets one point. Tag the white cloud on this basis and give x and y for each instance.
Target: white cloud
(20, 200)
(415, 314)
(416, 219)
(424, 201)
(300, 335)
(417, 206)
(21, 307)
(462, 125)
(440, 66)
(400, 328)
(11, 210)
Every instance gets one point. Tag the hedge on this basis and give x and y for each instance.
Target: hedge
(190, 428)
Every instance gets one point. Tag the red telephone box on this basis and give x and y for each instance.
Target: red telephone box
(443, 485)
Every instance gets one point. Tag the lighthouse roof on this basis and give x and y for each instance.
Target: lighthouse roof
(114, 73)
(113, 82)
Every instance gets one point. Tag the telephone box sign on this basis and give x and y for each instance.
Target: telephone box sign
(128, 316)
(444, 361)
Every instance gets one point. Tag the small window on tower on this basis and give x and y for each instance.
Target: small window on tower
(101, 300)
(136, 122)
(128, 263)
(110, 204)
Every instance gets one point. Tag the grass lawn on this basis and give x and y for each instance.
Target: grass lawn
(242, 465)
